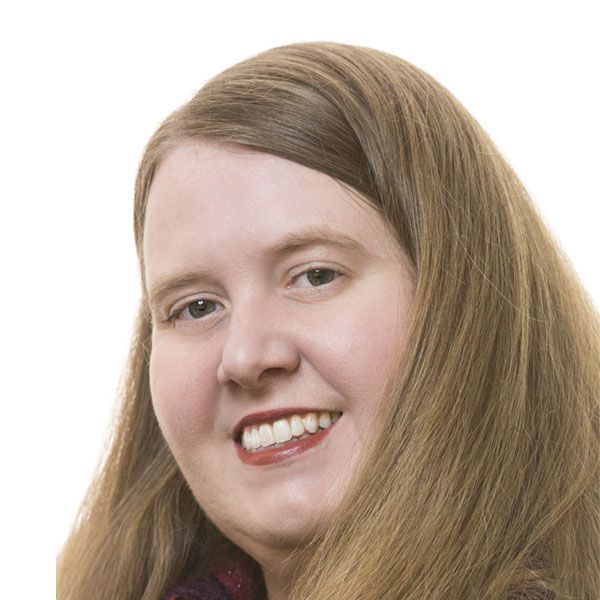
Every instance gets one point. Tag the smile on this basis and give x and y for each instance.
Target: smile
(283, 438)
(256, 437)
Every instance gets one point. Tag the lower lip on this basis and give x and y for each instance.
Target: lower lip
(268, 457)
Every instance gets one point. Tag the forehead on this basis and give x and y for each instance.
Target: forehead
(210, 201)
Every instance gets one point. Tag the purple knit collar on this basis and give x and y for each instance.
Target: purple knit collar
(232, 577)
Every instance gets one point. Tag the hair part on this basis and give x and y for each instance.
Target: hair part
(483, 480)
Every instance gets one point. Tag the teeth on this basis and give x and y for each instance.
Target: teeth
(247, 438)
(324, 420)
(311, 422)
(283, 430)
(255, 438)
(266, 435)
(296, 426)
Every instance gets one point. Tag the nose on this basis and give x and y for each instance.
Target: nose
(259, 345)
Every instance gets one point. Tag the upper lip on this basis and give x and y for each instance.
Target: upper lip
(272, 415)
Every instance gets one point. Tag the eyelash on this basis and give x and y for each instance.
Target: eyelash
(175, 315)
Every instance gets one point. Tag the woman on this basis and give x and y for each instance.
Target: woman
(362, 368)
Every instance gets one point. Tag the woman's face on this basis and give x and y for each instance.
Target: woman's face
(275, 293)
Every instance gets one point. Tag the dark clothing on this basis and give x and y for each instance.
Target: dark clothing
(238, 579)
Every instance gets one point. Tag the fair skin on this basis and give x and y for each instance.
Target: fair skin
(270, 334)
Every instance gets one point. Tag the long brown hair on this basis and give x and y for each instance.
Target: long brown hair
(483, 481)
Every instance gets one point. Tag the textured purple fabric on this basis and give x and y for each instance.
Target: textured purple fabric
(204, 588)
(234, 578)
(243, 580)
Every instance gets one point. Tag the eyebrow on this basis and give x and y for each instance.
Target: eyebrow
(290, 243)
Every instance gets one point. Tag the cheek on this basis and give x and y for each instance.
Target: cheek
(362, 345)
(183, 386)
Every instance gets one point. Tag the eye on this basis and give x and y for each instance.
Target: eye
(319, 276)
(194, 310)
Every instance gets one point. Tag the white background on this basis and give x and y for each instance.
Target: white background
(85, 85)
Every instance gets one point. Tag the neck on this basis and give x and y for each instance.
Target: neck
(277, 585)
(278, 566)
(278, 575)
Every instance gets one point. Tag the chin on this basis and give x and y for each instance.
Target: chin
(291, 523)
(286, 535)
(268, 536)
